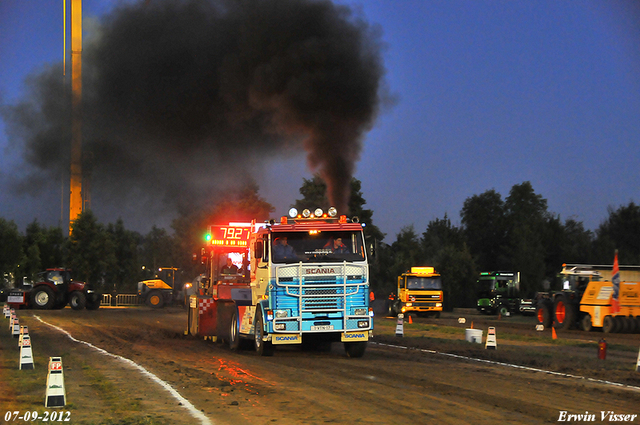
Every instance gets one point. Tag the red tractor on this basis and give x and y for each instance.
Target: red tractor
(54, 289)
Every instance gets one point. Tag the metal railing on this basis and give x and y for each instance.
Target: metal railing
(120, 300)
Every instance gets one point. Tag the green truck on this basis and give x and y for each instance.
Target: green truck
(499, 293)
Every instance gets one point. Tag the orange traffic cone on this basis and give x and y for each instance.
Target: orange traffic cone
(410, 320)
(471, 325)
(553, 333)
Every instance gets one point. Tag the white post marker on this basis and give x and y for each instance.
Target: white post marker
(638, 362)
(400, 325)
(11, 320)
(55, 395)
(26, 354)
(23, 331)
(491, 339)
(16, 328)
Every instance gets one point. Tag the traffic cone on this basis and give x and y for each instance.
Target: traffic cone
(472, 325)
(55, 395)
(26, 354)
(410, 319)
(553, 333)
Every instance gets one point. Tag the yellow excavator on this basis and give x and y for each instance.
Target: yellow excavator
(160, 290)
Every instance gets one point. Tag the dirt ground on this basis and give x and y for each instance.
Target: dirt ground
(149, 372)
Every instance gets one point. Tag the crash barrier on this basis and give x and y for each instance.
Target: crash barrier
(120, 299)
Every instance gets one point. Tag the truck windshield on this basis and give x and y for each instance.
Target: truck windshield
(431, 283)
(317, 247)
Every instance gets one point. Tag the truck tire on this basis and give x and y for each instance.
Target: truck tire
(587, 326)
(43, 298)
(502, 310)
(355, 349)
(544, 313)
(234, 332)
(155, 299)
(608, 325)
(77, 300)
(564, 312)
(263, 348)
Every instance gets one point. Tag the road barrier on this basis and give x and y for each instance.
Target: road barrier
(120, 299)
(26, 353)
(55, 395)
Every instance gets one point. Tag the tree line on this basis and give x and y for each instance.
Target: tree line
(515, 233)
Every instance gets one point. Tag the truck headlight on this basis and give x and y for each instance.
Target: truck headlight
(409, 304)
(282, 314)
(363, 323)
(360, 311)
(279, 326)
(438, 304)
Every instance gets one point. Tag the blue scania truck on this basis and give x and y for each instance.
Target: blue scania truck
(303, 280)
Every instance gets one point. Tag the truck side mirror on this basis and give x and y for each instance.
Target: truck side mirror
(259, 250)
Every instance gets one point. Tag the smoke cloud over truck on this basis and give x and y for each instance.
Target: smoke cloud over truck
(181, 98)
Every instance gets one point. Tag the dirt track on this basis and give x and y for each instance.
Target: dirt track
(388, 385)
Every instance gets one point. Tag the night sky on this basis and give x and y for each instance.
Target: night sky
(480, 95)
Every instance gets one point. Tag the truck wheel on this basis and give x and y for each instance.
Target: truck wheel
(608, 325)
(621, 325)
(564, 310)
(77, 300)
(355, 349)
(155, 299)
(544, 314)
(586, 323)
(503, 310)
(631, 323)
(263, 348)
(43, 298)
(234, 332)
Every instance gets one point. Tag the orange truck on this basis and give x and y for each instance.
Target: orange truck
(585, 300)
(419, 291)
(596, 310)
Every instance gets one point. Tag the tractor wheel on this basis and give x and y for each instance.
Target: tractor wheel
(155, 299)
(608, 325)
(544, 313)
(586, 323)
(77, 300)
(502, 310)
(355, 349)
(263, 348)
(43, 298)
(565, 313)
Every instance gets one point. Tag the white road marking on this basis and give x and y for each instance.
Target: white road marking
(197, 414)
(531, 369)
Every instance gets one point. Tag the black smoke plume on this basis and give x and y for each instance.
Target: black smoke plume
(181, 98)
